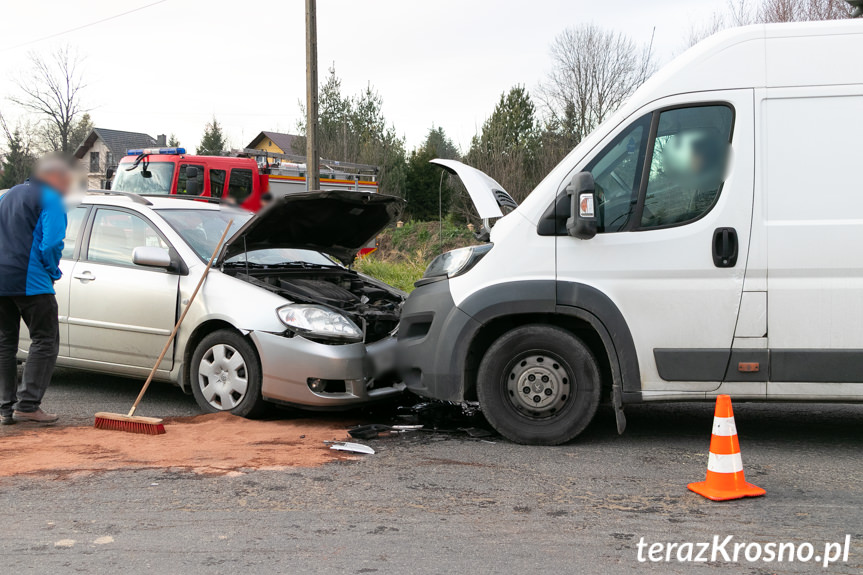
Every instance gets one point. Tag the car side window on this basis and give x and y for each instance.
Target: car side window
(181, 178)
(240, 186)
(75, 219)
(116, 234)
(687, 166)
(617, 172)
(217, 182)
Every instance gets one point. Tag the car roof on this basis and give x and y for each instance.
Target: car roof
(107, 198)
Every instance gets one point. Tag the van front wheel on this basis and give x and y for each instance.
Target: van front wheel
(538, 385)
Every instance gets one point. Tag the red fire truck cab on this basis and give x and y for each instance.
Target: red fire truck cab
(172, 171)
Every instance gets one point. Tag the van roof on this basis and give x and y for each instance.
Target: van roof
(764, 56)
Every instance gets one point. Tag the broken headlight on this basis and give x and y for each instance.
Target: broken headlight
(319, 322)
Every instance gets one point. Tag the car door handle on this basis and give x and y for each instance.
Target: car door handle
(84, 276)
(725, 247)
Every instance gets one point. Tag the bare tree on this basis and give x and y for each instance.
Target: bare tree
(593, 72)
(52, 91)
(743, 12)
(803, 10)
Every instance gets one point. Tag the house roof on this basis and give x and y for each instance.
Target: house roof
(117, 141)
(285, 142)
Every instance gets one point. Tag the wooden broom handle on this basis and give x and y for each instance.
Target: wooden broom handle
(179, 321)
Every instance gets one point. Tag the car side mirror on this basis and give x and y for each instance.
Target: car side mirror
(109, 173)
(151, 257)
(192, 181)
(582, 193)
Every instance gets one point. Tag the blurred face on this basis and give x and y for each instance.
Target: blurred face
(60, 179)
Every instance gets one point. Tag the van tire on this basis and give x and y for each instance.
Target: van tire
(251, 403)
(520, 406)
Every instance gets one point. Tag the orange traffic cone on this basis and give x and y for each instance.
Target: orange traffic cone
(725, 478)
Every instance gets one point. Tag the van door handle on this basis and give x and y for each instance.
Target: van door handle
(84, 276)
(725, 247)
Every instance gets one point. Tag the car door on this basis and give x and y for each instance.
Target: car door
(74, 228)
(120, 313)
(673, 235)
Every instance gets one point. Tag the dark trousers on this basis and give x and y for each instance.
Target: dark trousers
(39, 313)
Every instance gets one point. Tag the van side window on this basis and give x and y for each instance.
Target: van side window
(217, 182)
(181, 178)
(617, 173)
(687, 166)
(240, 186)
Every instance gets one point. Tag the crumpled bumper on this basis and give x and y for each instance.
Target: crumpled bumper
(288, 363)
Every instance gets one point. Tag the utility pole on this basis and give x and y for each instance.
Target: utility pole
(313, 159)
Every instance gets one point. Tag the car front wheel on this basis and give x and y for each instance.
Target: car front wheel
(538, 385)
(226, 375)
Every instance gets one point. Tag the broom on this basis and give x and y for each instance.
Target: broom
(152, 425)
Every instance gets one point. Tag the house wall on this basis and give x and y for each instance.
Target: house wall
(96, 179)
(267, 145)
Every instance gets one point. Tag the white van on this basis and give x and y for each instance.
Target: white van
(706, 239)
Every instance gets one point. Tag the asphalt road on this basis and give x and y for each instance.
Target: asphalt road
(436, 503)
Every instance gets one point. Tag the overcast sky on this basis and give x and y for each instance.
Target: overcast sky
(169, 67)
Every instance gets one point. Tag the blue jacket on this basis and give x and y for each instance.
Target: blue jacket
(32, 228)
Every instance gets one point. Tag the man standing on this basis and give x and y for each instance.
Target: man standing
(32, 229)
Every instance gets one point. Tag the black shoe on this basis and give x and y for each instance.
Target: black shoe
(7, 420)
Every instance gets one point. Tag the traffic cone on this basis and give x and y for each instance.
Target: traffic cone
(725, 478)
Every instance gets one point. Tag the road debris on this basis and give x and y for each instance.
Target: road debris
(352, 447)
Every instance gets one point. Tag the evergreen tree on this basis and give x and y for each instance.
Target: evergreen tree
(442, 145)
(509, 144)
(80, 131)
(173, 142)
(213, 142)
(18, 160)
(428, 188)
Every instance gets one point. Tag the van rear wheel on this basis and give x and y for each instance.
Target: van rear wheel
(539, 385)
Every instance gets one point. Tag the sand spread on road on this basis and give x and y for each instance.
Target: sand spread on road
(219, 443)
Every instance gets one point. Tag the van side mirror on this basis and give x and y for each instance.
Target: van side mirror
(192, 181)
(582, 221)
(109, 173)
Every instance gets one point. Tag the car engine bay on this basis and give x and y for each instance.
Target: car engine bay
(373, 307)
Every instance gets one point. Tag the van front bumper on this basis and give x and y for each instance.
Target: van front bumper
(358, 373)
(433, 341)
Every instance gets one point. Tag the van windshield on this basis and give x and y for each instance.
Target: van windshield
(161, 177)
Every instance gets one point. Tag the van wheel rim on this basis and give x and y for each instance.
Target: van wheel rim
(538, 385)
(222, 377)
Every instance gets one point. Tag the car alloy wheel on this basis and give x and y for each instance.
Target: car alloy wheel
(223, 377)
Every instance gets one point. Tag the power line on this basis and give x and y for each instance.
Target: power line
(94, 23)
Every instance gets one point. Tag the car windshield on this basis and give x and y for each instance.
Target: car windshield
(202, 229)
(161, 177)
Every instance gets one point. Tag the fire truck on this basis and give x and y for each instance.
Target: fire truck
(241, 179)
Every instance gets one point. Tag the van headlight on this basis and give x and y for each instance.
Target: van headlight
(456, 262)
(320, 322)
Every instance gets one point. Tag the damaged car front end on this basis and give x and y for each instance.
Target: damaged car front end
(323, 334)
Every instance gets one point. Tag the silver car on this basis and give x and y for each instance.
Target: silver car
(279, 319)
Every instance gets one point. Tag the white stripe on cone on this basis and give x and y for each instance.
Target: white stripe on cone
(724, 426)
(725, 463)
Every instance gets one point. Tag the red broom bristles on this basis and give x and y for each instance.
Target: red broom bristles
(129, 426)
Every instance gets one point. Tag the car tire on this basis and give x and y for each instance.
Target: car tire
(538, 385)
(226, 375)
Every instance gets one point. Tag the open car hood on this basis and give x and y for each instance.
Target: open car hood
(336, 222)
(487, 195)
